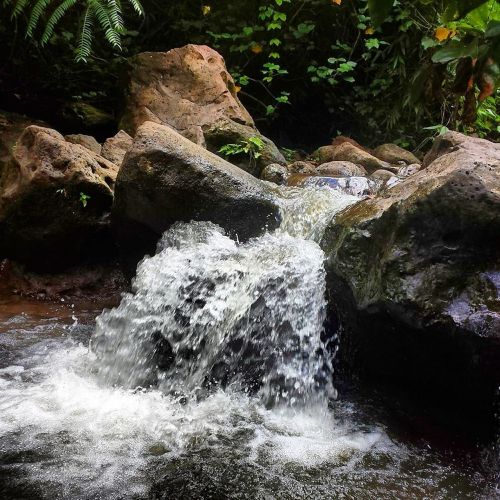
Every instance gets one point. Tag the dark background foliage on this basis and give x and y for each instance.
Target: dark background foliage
(308, 70)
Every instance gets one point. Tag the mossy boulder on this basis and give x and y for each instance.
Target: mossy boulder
(223, 132)
(414, 277)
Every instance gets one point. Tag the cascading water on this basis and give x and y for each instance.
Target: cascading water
(207, 311)
(209, 381)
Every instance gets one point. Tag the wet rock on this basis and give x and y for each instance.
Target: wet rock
(87, 141)
(55, 199)
(275, 173)
(355, 186)
(166, 178)
(412, 273)
(340, 169)
(394, 154)
(115, 147)
(346, 151)
(223, 132)
(408, 170)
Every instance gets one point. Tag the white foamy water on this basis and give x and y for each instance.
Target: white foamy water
(210, 381)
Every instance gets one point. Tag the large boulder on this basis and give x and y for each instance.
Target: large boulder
(55, 199)
(340, 169)
(414, 276)
(166, 178)
(190, 89)
(186, 88)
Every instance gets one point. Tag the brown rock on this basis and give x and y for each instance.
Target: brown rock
(393, 154)
(11, 127)
(302, 167)
(340, 169)
(115, 147)
(87, 141)
(185, 88)
(54, 197)
(348, 152)
(382, 175)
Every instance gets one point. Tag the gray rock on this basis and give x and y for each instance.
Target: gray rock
(275, 173)
(166, 178)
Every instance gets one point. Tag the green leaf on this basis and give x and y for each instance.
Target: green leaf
(456, 50)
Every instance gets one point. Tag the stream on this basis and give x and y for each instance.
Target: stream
(209, 381)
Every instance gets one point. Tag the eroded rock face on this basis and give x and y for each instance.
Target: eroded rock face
(11, 127)
(413, 275)
(115, 147)
(185, 87)
(55, 199)
(190, 90)
(166, 178)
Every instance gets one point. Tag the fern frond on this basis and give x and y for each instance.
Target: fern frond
(115, 14)
(137, 6)
(19, 7)
(36, 12)
(102, 15)
(54, 19)
(85, 43)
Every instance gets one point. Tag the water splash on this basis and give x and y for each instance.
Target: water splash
(207, 311)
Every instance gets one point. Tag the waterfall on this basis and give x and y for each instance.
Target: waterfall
(207, 311)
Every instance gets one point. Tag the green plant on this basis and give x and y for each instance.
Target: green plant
(252, 147)
(106, 14)
(84, 198)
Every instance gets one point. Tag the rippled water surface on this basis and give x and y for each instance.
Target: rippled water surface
(78, 423)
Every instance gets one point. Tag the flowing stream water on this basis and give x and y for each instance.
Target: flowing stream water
(210, 380)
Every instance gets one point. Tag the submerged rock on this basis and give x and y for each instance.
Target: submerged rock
(413, 275)
(166, 178)
(55, 199)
